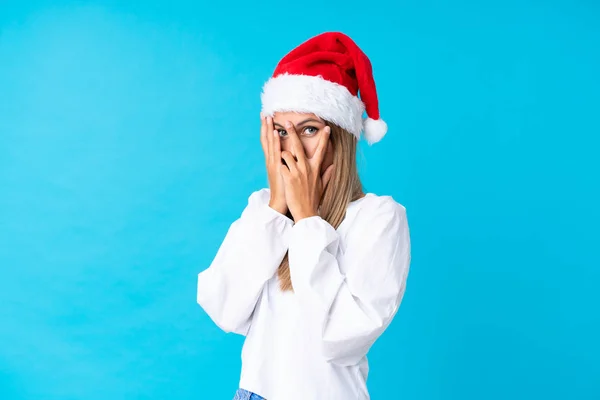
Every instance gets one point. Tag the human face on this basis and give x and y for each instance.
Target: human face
(309, 128)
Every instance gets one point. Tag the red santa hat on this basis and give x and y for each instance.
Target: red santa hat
(323, 76)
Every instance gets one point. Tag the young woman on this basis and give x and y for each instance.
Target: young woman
(314, 270)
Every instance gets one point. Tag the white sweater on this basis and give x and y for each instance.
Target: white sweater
(348, 284)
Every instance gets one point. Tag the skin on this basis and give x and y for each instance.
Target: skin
(299, 161)
(309, 128)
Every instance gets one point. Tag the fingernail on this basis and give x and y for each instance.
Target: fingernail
(275, 132)
(327, 129)
(288, 124)
(262, 115)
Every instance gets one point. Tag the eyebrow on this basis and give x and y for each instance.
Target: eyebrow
(302, 122)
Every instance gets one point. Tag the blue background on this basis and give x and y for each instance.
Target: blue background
(129, 141)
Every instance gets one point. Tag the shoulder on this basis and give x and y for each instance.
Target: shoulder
(374, 206)
(259, 197)
(377, 217)
(378, 226)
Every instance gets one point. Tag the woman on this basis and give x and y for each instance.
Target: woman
(314, 269)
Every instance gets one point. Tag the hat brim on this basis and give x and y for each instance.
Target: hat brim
(313, 94)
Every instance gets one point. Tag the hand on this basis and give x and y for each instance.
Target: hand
(302, 179)
(269, 138)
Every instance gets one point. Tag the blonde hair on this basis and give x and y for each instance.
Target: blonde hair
(344, 187)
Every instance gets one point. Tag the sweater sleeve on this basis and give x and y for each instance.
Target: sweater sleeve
(250, 254)
(354, 298)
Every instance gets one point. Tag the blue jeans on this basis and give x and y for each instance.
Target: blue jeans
(242, 394)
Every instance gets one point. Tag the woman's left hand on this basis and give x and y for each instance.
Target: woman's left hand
(302, 178)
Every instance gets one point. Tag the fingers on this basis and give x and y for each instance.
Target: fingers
(285, 173)
(296, 144)
(290, 161)
(276, 148)
(269, 123)
(327, 176)
(319, 155)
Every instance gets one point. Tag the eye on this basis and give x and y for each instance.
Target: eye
(282, 133)
(310, 131)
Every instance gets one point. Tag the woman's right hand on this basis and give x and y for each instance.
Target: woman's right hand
(269, 138)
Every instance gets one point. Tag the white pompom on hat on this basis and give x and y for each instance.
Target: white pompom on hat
(323, 76)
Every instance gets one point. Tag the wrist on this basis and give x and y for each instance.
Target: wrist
(303, 215)
(280, 208)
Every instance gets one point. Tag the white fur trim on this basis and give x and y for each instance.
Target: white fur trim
(375, 130)
(313, 94)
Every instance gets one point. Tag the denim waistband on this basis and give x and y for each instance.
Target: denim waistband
(242, 394)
